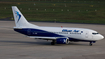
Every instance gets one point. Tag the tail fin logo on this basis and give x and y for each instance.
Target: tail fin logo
(18, 15)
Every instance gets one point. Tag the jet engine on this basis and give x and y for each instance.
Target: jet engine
(62, 41)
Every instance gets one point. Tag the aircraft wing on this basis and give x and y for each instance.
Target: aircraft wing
(49, 38)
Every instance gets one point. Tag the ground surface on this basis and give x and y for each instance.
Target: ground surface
(17, 46)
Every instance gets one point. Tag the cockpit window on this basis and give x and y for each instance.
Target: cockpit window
(95, 33)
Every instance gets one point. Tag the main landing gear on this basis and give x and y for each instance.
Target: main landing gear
(53, 42)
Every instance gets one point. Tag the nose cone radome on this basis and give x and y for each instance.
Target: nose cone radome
(101, 37)
(98, 37)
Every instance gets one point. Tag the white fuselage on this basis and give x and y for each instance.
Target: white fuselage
(76, 33)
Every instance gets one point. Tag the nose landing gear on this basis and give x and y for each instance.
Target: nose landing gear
(91, 43)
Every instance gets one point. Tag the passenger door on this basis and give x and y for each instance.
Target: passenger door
(88, 35)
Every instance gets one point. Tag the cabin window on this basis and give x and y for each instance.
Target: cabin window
(95, 33)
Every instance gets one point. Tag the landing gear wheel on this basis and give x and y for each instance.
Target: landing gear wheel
(90, 44)
(67, 42)
(53, 42)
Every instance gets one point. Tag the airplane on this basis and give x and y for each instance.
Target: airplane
(58, 35)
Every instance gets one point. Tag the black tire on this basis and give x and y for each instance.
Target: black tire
(53, 42)
(67, 41)
(90, 44)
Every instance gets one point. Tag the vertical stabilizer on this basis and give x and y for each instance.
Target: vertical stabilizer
(20, 20)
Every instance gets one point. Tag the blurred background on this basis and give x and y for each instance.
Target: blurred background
(70, 11)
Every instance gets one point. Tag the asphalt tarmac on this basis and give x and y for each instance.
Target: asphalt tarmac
(17, 46)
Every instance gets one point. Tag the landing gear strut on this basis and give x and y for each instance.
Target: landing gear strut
(90, 44)
(53, 42)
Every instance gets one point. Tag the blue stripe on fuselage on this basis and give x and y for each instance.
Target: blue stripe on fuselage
(37, 32)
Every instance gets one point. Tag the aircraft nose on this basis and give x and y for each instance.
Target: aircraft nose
(101, 37)
(98, 37)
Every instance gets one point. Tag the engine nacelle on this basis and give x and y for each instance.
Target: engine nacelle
(62, 41)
